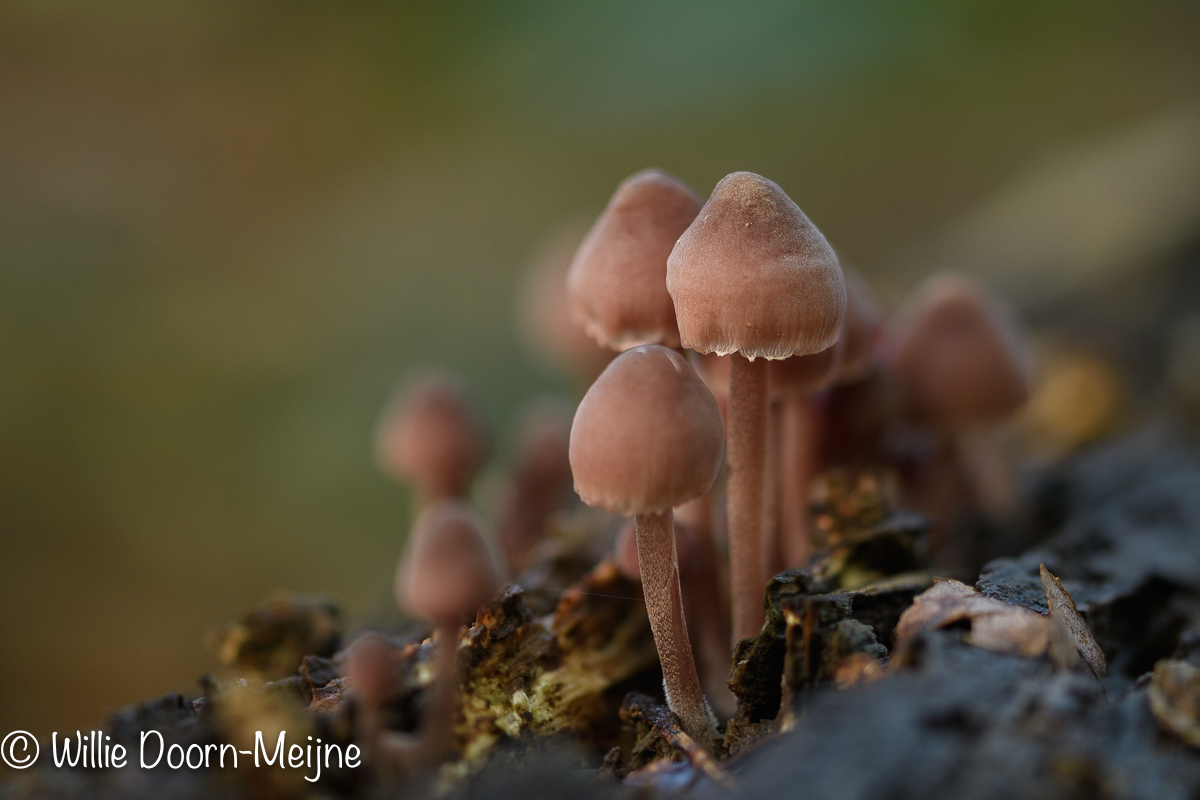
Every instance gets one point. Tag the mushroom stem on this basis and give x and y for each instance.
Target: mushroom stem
(745, 448)
(772, 530)
(798, 433)
(659, 569)
(988, 468)
(438, 724)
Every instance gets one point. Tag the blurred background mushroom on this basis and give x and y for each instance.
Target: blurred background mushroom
(432, 437)
(226, 228)
(540, 481)
(447, 572)
(617, 284)
(962, 367)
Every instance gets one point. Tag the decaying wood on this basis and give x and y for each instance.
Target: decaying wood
(640, 708)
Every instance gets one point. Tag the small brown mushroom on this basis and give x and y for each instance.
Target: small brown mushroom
(541, 481)
(432, 436)
(617, 285)
(753, 276)
(647, 437)
(370, 671)
(447, 572)
(962, 367)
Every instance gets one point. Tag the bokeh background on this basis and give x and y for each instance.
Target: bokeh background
(226, 228)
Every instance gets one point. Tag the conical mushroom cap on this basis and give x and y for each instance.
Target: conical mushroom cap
(647, 436)
(447, 571)
(432, 435)
(753, 275)
(958, 358)
(617, 285)
(847, 361)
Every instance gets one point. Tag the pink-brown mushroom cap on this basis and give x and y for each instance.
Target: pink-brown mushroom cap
(432, 435)
(447, 571)
(959, 359)
(647, 436)
(753, 275)
(617, 284)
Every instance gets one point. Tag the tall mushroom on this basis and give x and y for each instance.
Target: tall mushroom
(647, 437)
(447, 572)
(753, 276)
(432, 435)
(617, 284)
(962, 368)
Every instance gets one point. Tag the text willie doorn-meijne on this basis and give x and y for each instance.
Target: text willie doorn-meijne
(96, 751)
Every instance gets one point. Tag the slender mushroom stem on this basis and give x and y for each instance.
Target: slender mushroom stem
(981, 454)
(659, 568)
(745, 448)
(798, 433)
(772, 530)
(438, 724)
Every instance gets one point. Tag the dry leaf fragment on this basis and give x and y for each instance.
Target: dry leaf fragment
(1174, 696)
(995, 625)
(1063, 611)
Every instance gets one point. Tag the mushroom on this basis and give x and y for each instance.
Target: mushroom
(447, 572)
(752, 276)
(370, 671)
(432, 436)
(617, 284)
(795, 384)
(707, 622)
(646, 438)
(962, 368)
(543, 315)
(541, 482)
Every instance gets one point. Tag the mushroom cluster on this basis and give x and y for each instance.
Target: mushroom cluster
(794, 370)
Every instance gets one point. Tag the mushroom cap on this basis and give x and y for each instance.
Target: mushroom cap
(369, 666)
(447, 571)
(543, 313)
(959, 358)
(753, 275)
(625, 552)
(647, 436)
(431, 434)
(849, 360)
(617, 285)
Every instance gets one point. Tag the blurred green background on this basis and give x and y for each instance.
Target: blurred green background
(226, 228)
